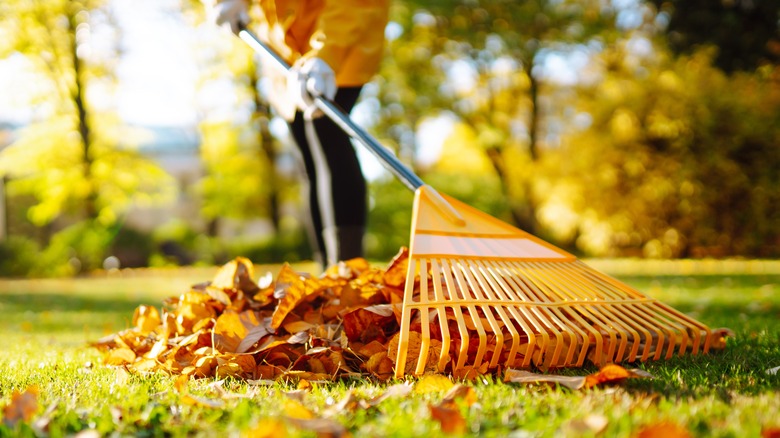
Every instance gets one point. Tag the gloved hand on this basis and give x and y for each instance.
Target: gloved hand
(311, 78)
(233, 13)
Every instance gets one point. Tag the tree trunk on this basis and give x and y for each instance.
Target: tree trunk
(85, 134)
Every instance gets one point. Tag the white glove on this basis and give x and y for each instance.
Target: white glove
(312, 78)
(232, 13)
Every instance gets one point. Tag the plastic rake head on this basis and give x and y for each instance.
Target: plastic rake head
(487, 294)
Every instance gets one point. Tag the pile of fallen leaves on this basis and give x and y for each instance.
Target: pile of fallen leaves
(342, 323)
(295, 326)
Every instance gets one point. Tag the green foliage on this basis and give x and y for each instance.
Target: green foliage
(481, 62)
(689, 167)
(78, 248)
(18, 256)
(234, 185)
(72, 158)
(745, 33)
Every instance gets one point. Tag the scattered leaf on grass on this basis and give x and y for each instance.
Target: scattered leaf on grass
(397, 390)
(22, 407)
(461, 392)
(666, 429)
(194, 400)
(521, 376)
(267, 428)
(608, 374)
(770, 432)
(433, 383)
(592, 424)
(613, 374)
(719, 337)
(450, 418)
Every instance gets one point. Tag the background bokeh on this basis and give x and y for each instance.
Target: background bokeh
(132, 133)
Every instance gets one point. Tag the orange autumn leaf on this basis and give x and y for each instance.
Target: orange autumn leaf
(612, 374)
(608, 374)
(120, 356)
(236, 274)
(146, 318)
(237, 332)
(666, 429)
(365, 325)
(22, 407)
(770, 432)
(380, 366)
(461, 392)
(295, 288)
(450, 419)
(395, 274)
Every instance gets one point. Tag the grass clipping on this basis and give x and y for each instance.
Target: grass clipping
(343, 323)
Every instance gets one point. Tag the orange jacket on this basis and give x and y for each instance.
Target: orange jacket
(347, 34)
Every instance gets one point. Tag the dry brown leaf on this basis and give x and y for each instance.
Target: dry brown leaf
(236, 274)
(613, 374)
(395, 274)
(521, 376)
(237, 332)
(397, 390)
(450, 419)
(380, 366)
(461, 392)
(719, 336)
(120, 356)
(592, 424)
(608, 374)
(22, 407)
(365, 326)
(294, 288)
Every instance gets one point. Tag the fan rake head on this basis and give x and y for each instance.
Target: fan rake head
(486, 294)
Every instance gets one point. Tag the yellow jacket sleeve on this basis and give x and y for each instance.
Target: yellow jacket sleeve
(350, 37)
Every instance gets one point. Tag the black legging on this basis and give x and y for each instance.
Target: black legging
(338, 212)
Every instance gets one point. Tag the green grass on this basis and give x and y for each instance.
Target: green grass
(45, 326)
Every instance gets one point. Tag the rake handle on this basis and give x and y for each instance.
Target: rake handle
(340, 117)
(335, 113)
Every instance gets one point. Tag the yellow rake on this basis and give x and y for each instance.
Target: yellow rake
(481, 293)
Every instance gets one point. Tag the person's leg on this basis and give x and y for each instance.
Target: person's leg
(337, 189)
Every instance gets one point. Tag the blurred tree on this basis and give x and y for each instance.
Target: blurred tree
(239, 152)
(482, 61)
(71, 157)
(690, 163)
(746, 32)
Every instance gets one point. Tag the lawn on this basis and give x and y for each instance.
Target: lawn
(46, 326)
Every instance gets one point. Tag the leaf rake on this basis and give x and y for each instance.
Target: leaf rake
(481, 293)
